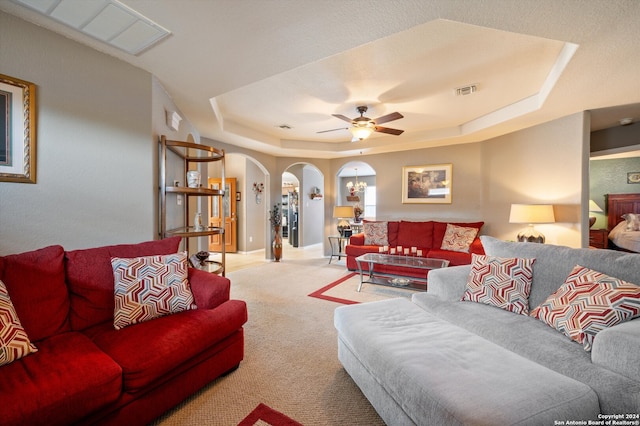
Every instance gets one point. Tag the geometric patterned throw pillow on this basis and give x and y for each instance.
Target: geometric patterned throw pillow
(14, 343)
(587, 303)
(375, 234)
(501, 282)
(150, 287)
(458, 238)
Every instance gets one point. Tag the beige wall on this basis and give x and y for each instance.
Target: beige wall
(95, 152)
(545, 164)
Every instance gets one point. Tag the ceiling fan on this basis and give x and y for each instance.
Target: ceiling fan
(362, 126)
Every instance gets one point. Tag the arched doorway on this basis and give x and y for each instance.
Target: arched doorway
(308, 211)
(356, 187)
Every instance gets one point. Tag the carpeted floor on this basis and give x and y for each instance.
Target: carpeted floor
(291, 362)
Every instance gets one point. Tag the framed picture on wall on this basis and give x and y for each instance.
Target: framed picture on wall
(633, 177)
(430, 184)
(17, 130)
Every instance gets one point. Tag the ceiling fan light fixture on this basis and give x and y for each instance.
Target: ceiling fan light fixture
(362, 131)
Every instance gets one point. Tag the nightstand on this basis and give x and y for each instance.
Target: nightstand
(599, 238)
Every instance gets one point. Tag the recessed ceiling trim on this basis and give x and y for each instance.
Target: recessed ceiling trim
(526, 105)
(108, 21)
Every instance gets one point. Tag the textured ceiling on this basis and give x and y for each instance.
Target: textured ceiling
(238, 70)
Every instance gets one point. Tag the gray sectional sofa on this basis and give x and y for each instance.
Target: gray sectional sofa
(435, 359)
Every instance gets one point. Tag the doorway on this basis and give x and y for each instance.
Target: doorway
(302, 192)
(216, 210)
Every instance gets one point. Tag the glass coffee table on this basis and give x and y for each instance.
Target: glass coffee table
(366, 264)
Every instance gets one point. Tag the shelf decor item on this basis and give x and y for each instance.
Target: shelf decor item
(275, 219)
(197, 223)
(193, 179)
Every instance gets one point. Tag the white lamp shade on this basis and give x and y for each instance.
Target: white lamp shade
(593, 207)
(531, 213)
(342, 212)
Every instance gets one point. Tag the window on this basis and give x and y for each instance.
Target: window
(370, 202)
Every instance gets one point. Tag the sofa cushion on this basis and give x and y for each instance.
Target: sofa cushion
(442, 374)
(149, 350)
(90, 278)
(35, 282)
(375, 233)
(501, 282)
(455, 258)
(68, 378)
(587, 303)
(14, 342)
(458, 238)
(415, 234)
(149, 287)
(536, 341)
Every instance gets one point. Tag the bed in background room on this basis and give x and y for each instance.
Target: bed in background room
(623, 212)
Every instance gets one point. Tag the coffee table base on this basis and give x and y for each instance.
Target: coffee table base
(410, 283)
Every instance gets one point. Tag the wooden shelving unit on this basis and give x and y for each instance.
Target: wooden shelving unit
(190, 153)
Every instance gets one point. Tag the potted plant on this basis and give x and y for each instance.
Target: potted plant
(275, 219)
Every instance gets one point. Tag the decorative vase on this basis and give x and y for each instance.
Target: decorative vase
(193, 179)
(277, 243)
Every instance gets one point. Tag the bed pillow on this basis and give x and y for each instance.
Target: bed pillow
(458, 238)
(501, 282)
(150, 287)
(633, 221)
(14, 342)
(587, 303)
(375, 234)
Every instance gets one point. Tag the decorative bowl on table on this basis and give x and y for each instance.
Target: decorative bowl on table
(399, 282)
(202, 256)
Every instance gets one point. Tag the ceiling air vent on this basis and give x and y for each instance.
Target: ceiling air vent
(466, 90)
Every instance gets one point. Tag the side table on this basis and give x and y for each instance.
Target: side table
(599, 238)
(337, 243)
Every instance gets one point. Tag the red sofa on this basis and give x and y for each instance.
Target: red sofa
(426, 236)
(87, 372)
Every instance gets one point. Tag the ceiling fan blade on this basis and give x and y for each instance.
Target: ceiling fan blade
(342, 117)
(389, 130)
(388, 117)
(333, 130)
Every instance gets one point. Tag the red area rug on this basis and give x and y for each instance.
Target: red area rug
(267, 415)
(319, 293)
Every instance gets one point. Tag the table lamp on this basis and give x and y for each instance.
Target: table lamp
(530, 214)
(593, 208)
(343, 213)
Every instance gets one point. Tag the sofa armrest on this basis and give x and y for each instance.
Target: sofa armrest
(618, 349)
(448, 283)
(209, 290)
(357, 239)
